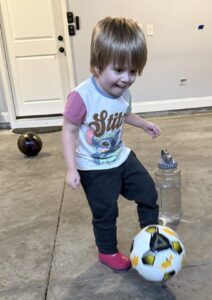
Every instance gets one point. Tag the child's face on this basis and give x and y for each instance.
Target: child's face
(115, 80)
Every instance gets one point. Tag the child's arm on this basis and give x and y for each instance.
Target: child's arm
(150, 128)
(69, 137)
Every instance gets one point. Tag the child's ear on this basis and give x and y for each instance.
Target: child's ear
(96, 71)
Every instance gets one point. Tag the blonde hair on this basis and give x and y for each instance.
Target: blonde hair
(119, 41)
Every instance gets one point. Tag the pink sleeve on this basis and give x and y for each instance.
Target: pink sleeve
(75, 109)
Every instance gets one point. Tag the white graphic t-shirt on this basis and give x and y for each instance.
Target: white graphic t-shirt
(100, 118)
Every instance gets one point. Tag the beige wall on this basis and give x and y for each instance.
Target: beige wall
(177, 49)
(3, 105)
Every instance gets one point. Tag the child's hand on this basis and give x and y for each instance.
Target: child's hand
(151, 129)
(73, 179)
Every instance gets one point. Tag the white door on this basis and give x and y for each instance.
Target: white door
(36, 61)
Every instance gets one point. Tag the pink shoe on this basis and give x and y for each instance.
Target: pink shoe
(117, 261)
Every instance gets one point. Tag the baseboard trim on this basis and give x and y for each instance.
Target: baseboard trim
(137, 107)
(39, 122)
(173, 104)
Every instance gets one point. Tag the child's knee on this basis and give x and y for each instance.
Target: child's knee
(148, 198)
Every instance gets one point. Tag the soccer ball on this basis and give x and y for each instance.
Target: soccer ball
(157, 253)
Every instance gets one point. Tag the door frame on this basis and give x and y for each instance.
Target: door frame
(45, 121)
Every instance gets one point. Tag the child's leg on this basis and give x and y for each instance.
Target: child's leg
(139, 186)
(102, 189)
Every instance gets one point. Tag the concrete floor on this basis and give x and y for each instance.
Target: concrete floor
(47, 249)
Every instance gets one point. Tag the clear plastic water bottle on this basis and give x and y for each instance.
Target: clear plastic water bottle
(168, 185)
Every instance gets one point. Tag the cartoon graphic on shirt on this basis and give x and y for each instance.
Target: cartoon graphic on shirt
(106, 146)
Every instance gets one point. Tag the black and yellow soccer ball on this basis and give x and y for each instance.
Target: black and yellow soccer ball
(157, 253)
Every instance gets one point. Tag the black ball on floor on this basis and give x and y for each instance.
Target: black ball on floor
(29, 143)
